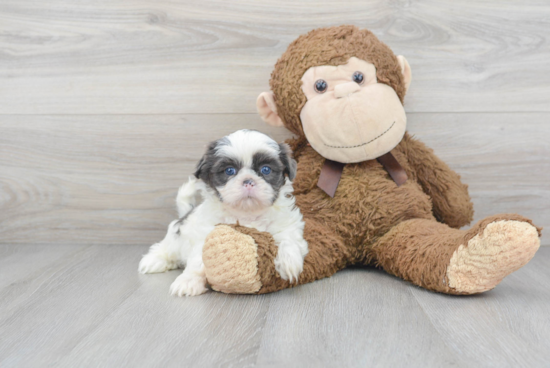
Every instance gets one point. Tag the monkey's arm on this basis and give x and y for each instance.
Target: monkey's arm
(451, 201)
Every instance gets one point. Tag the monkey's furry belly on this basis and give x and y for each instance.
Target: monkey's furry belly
(367, 204)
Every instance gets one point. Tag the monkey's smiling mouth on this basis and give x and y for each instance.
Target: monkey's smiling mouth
(364, 144)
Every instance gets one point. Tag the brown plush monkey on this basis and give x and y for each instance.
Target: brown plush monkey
(370, 194)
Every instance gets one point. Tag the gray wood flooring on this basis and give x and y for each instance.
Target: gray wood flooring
(87, 306)
(106, 106)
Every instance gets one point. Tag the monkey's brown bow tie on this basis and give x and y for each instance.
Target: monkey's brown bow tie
(331, 172)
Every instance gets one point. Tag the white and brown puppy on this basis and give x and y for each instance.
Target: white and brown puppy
(244, 177)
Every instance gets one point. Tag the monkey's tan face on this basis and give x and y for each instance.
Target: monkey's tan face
(349, 116)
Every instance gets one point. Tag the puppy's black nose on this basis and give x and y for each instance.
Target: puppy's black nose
(249, 183)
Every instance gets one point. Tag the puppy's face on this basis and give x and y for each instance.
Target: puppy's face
(246, 169)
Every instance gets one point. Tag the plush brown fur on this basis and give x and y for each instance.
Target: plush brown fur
(411, 231)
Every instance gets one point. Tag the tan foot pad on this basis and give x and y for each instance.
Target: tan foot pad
(502, 248)
(230, 260)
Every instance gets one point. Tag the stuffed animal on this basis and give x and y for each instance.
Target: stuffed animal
(370, 194)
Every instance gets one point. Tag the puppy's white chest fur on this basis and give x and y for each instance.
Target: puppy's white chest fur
(261, 222)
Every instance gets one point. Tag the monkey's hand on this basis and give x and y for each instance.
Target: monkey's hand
(451, 202)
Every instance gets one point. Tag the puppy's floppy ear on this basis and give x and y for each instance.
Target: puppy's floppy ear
(204, 165)
(200, 167)
(287, 160)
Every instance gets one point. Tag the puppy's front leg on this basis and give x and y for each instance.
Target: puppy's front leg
(292, 249)
(193, 279)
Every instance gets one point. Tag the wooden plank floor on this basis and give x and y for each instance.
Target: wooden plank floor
(87, 306)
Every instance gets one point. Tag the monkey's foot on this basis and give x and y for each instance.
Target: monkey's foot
(500, 249)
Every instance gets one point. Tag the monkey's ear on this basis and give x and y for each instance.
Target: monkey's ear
(265, 103)
(405, 70)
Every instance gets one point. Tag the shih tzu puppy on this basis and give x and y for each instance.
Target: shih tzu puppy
(243, 178)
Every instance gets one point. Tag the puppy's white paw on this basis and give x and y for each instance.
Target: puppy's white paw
(289, 263)
(153, 263)
(189, 285)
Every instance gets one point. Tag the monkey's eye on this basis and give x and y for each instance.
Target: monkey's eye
(320, 86)
(230, 171)
(266, 170)
(358, 77)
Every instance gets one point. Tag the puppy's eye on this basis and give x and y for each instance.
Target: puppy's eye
(320, 86)
(230, 171)
(266, 170)
(358, 77)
